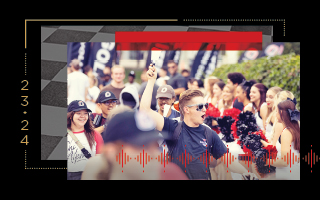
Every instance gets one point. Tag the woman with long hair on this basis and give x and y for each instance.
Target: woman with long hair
(217, 93)
(258, 100)
(227, 98)
(289, 117)
(270, 117)
(80, 131)
(277, 127)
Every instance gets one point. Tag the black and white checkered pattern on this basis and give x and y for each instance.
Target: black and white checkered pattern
(54, 72)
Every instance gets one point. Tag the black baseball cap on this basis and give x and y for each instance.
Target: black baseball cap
(132, 74)
(77, 105)
(133, 127)
(105, 96)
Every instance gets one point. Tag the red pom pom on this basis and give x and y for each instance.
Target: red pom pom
(246, 150)
(234, 129)
(232, 112)
(261, 134)
(272, 150)
(213, 111)
(263, 137)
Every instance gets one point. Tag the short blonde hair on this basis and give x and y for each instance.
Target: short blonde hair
(280, 96)
(75, 63)
(185, 98)
(117, 66)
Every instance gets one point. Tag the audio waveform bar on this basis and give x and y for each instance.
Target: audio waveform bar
(311, 158)
(185, 158)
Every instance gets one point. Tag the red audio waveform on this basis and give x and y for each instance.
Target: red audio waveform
(311, 158)
(143, 158)
(185, 158)
(227, 158)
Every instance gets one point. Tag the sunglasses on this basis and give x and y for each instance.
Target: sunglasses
(200, 106)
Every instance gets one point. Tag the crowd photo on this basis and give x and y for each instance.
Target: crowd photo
(183, 115)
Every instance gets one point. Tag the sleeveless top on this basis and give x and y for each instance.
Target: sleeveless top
(288, 173)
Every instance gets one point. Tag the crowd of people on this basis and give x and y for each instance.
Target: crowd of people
(168, 113)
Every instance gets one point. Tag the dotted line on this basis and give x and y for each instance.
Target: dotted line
(25, 164)
(284, 27)
(25, 64)
(241, 20)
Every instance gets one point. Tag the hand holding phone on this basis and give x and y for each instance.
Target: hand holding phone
(152, 72)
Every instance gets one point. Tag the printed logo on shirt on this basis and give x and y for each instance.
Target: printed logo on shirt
(80, 103)
(204, 143)
(74, 153)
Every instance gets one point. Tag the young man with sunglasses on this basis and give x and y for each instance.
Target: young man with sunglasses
(192, 140)
(106, 101)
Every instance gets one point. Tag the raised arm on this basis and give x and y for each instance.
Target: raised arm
(145, 104)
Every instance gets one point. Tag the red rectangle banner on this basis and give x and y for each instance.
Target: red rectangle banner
(172, 40)
(181, 36)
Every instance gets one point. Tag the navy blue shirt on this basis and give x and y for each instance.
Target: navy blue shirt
(174, 114)
(192, 140)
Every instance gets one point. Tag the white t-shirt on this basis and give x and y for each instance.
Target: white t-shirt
(76, 160)
(77, 84)
(93, 93)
